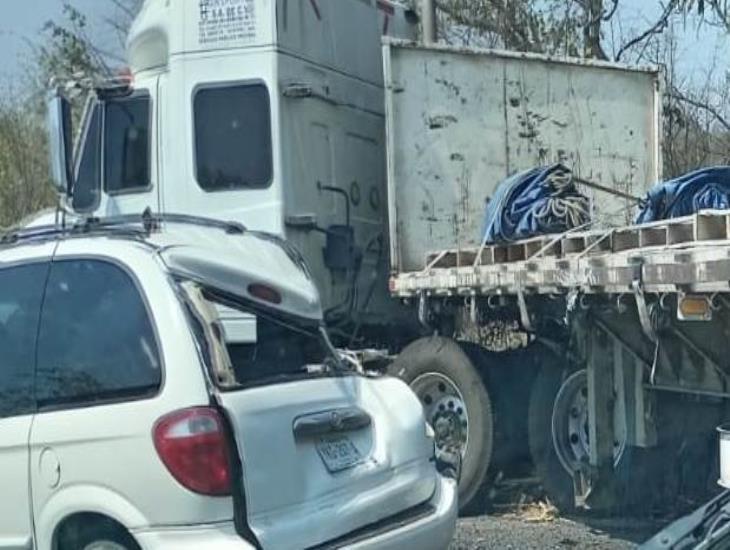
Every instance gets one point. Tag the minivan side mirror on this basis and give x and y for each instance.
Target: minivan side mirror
(60, 138)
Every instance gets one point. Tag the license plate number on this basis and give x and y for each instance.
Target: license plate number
(338, 453)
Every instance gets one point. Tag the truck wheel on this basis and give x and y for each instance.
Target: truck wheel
(555, 480)
(558, 438)
(456, 404)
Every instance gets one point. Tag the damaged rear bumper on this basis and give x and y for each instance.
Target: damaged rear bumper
(432, 528)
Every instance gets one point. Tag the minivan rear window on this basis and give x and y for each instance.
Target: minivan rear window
(96, 340)
(274, 350)
(278, 350)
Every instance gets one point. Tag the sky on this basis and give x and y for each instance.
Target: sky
(22, 20)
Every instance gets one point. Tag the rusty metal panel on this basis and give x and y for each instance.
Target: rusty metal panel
(460, 121)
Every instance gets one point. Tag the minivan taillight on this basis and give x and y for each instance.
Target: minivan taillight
(192, 445)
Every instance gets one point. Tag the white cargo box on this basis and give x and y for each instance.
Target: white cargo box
(459, 121)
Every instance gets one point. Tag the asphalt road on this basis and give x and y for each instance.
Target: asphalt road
(534, 530)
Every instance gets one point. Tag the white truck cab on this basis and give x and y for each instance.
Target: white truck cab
(269, 113)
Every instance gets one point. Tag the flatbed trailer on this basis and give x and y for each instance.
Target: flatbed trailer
(600, 355)
(627, 329)
(688, 254)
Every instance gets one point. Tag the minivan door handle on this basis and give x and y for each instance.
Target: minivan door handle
(346, 419)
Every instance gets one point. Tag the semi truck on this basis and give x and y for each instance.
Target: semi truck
(326, 123)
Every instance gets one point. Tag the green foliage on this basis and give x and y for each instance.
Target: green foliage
(25, 185)
(555, 27)
(67, 53)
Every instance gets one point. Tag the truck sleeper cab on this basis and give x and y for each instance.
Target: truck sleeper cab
(268, 113)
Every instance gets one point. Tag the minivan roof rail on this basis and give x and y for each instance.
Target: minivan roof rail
(141, 226)
(148, 221)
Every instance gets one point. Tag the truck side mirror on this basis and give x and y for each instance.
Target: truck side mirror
(59, 142)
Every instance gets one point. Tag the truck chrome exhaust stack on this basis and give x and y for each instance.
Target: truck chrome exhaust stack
(724, 431)
(428, 20)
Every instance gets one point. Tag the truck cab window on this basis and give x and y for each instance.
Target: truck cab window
(88, 170)
(233, 137)
(127, 145)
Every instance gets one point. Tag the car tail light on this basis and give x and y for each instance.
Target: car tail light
(192, 445)
(265, 293)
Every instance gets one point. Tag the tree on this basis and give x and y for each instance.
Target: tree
(697, 121)
(24, 181)
(65, 53)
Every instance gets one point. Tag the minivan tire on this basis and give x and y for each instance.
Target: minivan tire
(442, 356)
(99, 537)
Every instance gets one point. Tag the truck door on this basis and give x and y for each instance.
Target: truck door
(21, 289)
(118, 151)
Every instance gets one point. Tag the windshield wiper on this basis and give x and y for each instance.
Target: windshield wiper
(705, 528)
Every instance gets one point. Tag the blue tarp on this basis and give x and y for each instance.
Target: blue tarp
(535, 202)
(706, 189)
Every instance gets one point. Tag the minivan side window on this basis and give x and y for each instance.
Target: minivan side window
(233, 137)
(96, 340)
(21, 292)
(127, 144)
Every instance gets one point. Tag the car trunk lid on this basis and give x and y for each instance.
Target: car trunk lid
(324, 457)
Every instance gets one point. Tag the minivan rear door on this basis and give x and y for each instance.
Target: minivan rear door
(324, 451)
(326, 456)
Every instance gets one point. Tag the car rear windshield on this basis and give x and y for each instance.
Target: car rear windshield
(272, 350)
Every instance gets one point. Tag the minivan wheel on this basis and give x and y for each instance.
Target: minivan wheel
(456, 404)
(105, 545)
(101, 536)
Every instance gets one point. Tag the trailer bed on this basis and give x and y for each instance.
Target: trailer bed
(689, 254)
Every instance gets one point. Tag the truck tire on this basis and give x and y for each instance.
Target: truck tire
(556, 481)
(457, 405)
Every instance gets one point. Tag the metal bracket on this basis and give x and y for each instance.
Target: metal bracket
(423, 310)
(582, 487)
(524, 314)
(637, 286)
(473, 311)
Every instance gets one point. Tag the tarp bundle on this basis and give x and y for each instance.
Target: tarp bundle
(535, 202)
(706, 189)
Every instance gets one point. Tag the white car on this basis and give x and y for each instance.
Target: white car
(127, 423)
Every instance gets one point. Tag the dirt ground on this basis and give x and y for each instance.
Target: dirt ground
(539, 530)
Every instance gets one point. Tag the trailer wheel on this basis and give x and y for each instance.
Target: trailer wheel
(557, 436)
(457, 405)
(556, 482)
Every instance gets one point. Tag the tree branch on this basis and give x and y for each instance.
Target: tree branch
(656, 28)
(679, 96)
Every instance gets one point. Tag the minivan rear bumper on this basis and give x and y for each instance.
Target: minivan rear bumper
(429, 532)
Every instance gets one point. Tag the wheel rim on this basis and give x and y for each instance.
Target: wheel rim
(570, 424)
(104, 545)
(445, 410)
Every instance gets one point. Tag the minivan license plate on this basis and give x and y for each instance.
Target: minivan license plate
(338, 453)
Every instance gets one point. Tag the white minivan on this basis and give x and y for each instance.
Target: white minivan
(127, 422)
